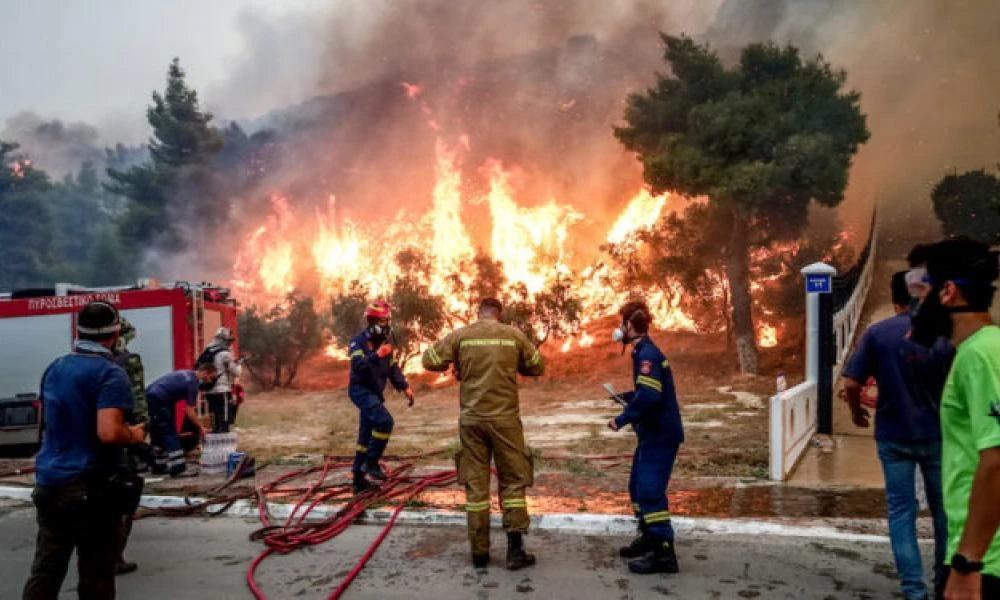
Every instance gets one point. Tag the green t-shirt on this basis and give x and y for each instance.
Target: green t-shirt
(970, 423)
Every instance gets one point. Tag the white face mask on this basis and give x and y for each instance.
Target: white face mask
(617, 335)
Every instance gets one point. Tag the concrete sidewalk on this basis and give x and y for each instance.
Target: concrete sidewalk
(208, 558)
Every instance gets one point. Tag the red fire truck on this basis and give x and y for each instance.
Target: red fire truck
(174, 322)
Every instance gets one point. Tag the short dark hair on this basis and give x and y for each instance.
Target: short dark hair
(97, 322)
(970, 265)
(900, 293)
(491, 305)
(637, 313)
(918, 255)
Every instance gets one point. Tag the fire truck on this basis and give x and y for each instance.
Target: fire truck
(174, 321)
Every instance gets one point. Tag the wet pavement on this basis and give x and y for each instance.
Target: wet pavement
(208, 558)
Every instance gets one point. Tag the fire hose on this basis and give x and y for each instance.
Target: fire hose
(295, 532)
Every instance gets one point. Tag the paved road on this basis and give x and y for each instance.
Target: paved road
(208, 558)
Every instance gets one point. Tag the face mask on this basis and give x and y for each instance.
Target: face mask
(617, 335)
(931, 320)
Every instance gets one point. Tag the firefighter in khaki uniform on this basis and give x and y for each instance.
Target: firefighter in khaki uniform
(487, 357)
(653, 412)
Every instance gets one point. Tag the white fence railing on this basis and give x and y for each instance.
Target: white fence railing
(793, 413)
(846, 320)
(793, 423)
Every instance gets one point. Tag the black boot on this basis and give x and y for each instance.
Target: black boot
(362, 485)
(480, 561)
(373, 470)
(639, 547)
(662, 559)
(517, 558)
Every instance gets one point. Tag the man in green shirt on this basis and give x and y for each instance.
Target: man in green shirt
(961, 273)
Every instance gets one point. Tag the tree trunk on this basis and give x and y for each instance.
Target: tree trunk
(738, 273)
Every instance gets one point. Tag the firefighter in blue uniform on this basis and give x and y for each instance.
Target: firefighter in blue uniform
(653, 412)
(373, 364)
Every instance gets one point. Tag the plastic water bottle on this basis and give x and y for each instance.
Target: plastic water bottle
(781, 383)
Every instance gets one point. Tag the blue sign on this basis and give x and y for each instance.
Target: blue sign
(817, 284)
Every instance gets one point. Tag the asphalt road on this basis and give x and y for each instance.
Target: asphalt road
(208, 558)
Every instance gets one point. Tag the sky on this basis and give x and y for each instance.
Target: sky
(99, 60)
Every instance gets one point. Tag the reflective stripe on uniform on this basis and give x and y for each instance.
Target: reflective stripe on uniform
(636, 508)
(361, 448)
(433, 356)
(378, 435)
(477, 506)
(488, 342)
(665, 364)
(657, 517)
(535, 359)
(649, 382)
(515, 503)
(358, 354)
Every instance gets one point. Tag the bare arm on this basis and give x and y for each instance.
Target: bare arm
(192, 413)
(852, 390)
(984, 510)
(112, 430)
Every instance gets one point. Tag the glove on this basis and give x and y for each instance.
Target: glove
(384, 350)
(409, 396)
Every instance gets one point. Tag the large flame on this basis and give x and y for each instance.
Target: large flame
(534, 241)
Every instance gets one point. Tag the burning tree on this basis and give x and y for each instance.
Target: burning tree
(761, 140)
(274, 342)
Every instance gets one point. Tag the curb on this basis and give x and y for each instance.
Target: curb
(581, 523)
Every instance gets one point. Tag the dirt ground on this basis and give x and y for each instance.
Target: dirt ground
(564, 412)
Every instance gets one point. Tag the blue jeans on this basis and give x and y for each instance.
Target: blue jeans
(899, 464)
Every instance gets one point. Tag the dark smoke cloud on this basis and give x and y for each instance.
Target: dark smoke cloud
(58, 148)
(539, 84)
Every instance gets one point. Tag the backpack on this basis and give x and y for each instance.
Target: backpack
(207, 357)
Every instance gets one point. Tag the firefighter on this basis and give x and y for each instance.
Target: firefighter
(138, 454)
(487, 357)
(220, 398)
(653, 412)
(373, 364)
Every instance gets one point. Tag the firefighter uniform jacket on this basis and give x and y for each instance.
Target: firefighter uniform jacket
(371, 371)
(487, 356)
(652, 408)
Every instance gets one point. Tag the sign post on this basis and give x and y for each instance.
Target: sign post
(819, 339)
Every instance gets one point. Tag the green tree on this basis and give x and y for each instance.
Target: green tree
(275, 342)
(761, 140)
(178, 184)
(969, 204)
(25, 221)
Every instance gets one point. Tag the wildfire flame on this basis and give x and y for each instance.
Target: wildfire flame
(533, 242)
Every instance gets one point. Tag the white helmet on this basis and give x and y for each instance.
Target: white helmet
(224, 334)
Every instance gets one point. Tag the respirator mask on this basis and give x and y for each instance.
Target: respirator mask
(380, 331)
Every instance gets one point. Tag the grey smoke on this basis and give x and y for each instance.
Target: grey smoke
(58, 148)
(926, 71)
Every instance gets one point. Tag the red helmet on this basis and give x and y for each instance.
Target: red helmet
(378, 309)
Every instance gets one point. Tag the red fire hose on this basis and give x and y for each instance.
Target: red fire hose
(296, 532)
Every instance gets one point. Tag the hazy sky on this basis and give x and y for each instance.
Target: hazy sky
(99, 60)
